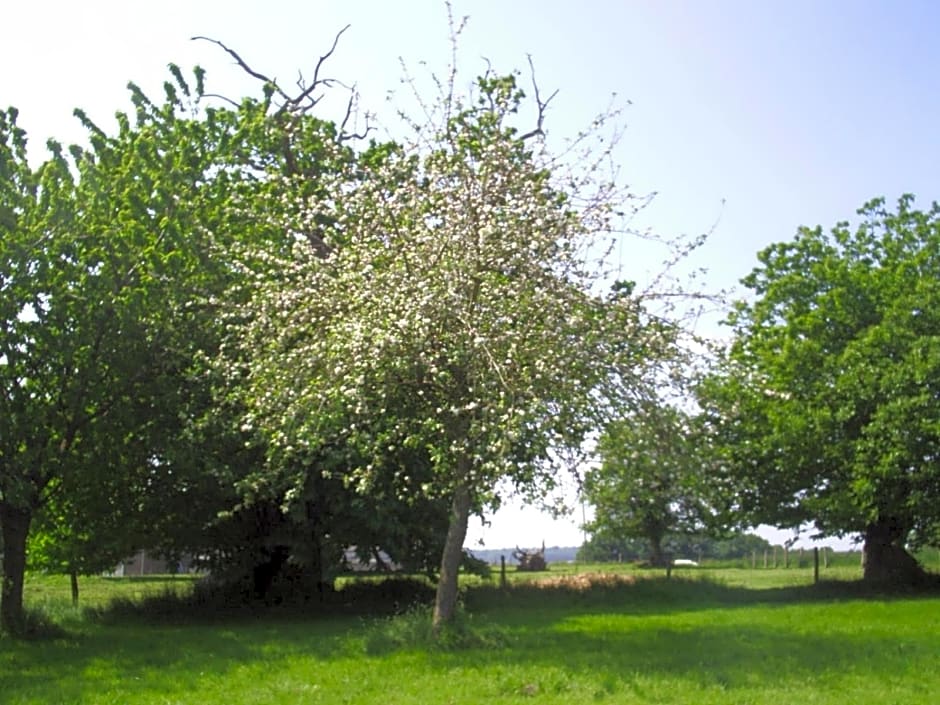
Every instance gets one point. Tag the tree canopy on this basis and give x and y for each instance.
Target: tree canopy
(650, 480)
(828, 407)
(112, 265)
(456, 315)
(405, 326)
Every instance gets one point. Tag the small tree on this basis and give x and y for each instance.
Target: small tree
(649, 478)
(86, 531)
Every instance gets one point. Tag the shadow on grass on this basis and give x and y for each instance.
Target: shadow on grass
(717, 635)
(210, 604)
(714, 655)
(173, 641)
(158, 658)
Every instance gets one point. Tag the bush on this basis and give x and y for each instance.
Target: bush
(399, 594)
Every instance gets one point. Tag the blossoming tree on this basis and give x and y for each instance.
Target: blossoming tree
(458, 312)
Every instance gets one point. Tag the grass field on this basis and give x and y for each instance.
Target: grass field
(711, 636)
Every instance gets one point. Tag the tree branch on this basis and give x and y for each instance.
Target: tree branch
(241, 62)
(304, 100)
(351, 106)
(228, 100)
(317, 81)
(542, 104)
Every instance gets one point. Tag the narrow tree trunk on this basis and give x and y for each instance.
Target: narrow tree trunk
(445, 603)
(885, 558)
(73, 580)
(14, 523)
(657, 559)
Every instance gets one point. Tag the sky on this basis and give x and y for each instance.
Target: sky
(746, 118)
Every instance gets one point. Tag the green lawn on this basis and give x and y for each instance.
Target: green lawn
(722, 636)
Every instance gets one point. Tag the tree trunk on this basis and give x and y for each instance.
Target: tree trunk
(445, 602)
(657, 558)
(14, 523)
(885, 558)
(73, 580)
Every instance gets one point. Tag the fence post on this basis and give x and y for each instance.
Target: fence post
(815, 565)
(765, 558)
(502, 572)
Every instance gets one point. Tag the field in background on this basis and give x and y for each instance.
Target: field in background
(52, 593)
(707, 635)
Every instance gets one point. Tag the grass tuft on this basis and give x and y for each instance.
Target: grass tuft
(413, 631)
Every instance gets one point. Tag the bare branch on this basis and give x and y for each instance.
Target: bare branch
(306, 91)
(352, 109)
(327, 55)
(221, 97)
(456, 29)
(541, 104)
(241, 62)
(350, 105)
(317, 81)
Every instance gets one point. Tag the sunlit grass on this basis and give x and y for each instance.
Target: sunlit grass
(723, 636)
(99, 591)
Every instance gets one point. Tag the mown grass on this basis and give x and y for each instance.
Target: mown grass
(719, 636)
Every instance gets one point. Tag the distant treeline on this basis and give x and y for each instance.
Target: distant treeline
(695, 547)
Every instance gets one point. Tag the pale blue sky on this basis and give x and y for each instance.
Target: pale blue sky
(788, 112)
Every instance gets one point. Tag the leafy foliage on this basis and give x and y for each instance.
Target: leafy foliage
(112, 262)
(608, 547)
(828, 403)
(649, 481)
(225, 331)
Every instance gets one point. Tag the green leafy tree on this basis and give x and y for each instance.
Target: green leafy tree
(827, 408)
(604, 546)
(648, 483)
(71, 534)
(40, 419)
(112, 260)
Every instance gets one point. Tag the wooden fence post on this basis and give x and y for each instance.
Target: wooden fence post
(502, 572)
